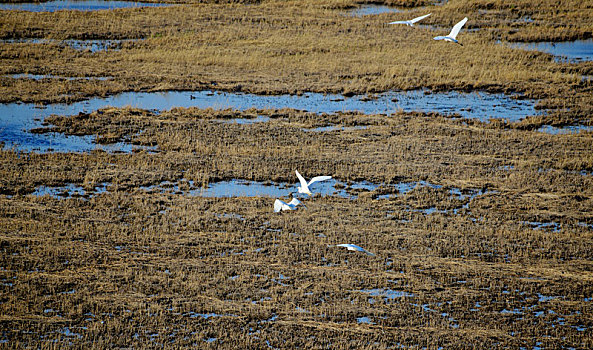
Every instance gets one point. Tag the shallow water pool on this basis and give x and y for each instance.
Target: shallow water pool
(95, 45)
(17, 118)
(571, 129)
(372, 9)
(85, 5)
(50, 76)
(570, 51)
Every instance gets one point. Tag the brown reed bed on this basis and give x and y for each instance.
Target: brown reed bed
(134, 269)
(131, 267)
(543, 20)
(196, 144)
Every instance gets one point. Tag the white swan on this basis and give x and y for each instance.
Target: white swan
(451, 37)
(411, 21)
(292, 205)
(355, 248)
(304, 188)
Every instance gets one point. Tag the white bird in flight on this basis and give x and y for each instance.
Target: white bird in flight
(292, 205)
(355, 248)
(304, 188)
(451, 37)
(411, 21)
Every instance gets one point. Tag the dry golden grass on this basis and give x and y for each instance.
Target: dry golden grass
(143, 269)
(394, 143)
(128, 268)
(541, 20)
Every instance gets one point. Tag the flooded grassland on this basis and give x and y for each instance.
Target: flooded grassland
(278, 47)
(483, 235)
(141, 217)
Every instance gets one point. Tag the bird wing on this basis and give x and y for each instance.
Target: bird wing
(398, 22)
(419, 18)
(301, 179)
(354, 247)
(278, 205)
(457, 28)
(318, 178)
(360, 249)
(369, 253)
(294, 202)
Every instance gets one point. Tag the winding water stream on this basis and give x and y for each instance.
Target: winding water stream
(16, 119)
(564, 51)
(85, 5)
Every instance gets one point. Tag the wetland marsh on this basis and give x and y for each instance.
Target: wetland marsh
(139, 169)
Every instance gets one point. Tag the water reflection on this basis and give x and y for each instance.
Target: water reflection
(50, 76)
(86, 5)
(242, 188)
(571, 51)
(366, 10)
(16, 118)
(336, 128)
(80, 45)
(247, 188)
(69, 190)
(570, 129)
(246, 121)
(386, 293)
(14, 136)
(478, 105)
(96, 45)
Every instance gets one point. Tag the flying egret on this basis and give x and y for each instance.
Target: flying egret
(292, 205)
(411, 21)
(355, 248)
(304, 188)
(451, 37)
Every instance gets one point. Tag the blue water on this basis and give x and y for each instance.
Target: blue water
(80, 45)
(332, 187)
(86, 5)
(386, 293)
(68, 190)
(49, 76)
(477, 105)
(571, 129)
(246, 188)
(335, 128)
(17, 118)
(364, 319)
(246, 121)
(97, 45)
(572, 51)
(242, 188)
(366, 10)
